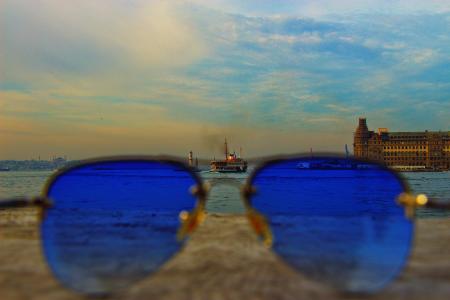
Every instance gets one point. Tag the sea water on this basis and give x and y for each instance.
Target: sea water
(224, 195)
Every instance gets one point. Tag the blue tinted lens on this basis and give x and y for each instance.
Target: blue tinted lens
(113, 223)
(336, 220)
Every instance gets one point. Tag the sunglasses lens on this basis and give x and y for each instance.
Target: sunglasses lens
(335, 220)
(113, 223)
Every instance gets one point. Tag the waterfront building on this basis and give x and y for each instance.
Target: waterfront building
(409, 151)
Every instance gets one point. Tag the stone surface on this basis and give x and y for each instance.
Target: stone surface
(222, 260)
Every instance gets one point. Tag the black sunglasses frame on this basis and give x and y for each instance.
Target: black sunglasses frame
(190, 220)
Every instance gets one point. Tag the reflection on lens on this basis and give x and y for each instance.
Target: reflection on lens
(335, 220)
(113, 223)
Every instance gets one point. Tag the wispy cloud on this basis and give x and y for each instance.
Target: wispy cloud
(95, 37)
(320, 8)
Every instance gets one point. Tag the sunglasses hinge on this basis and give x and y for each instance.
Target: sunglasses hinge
(411, 202)
(43, 202)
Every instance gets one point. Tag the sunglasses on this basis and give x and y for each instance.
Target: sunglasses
(107, 223)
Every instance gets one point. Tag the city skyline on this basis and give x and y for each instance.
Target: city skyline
(113, 77)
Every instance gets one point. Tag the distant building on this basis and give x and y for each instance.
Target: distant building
(403, 150)
(59, 162)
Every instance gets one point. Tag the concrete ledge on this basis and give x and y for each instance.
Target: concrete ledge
(223, 260)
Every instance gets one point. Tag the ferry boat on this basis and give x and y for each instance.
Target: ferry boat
(231, 164)
(334, 164)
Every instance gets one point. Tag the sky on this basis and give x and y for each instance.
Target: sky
(91, 78)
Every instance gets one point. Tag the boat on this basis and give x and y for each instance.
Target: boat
(304, 165)
(334, 164)
(231, 164)
(4, 169)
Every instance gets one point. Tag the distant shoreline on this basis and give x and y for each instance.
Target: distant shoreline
(33, 165)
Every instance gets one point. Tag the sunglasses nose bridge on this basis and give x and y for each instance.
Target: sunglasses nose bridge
(191, 220)
(258, 221)
(261, 227)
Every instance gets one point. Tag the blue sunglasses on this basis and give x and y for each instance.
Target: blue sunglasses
(107, 223)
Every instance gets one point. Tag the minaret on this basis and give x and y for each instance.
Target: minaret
(190, 159)
(226, 149)
(361, 139)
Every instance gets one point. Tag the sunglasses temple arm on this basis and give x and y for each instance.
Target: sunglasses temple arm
(432, 203)
(24, 202)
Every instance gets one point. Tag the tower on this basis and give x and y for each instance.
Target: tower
(361, 139)
(226, 149)
(190, 158)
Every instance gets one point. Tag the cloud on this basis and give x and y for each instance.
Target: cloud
(421, 57)
(149, 76)
(305, 38)
(321, 8)
(95, 37)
